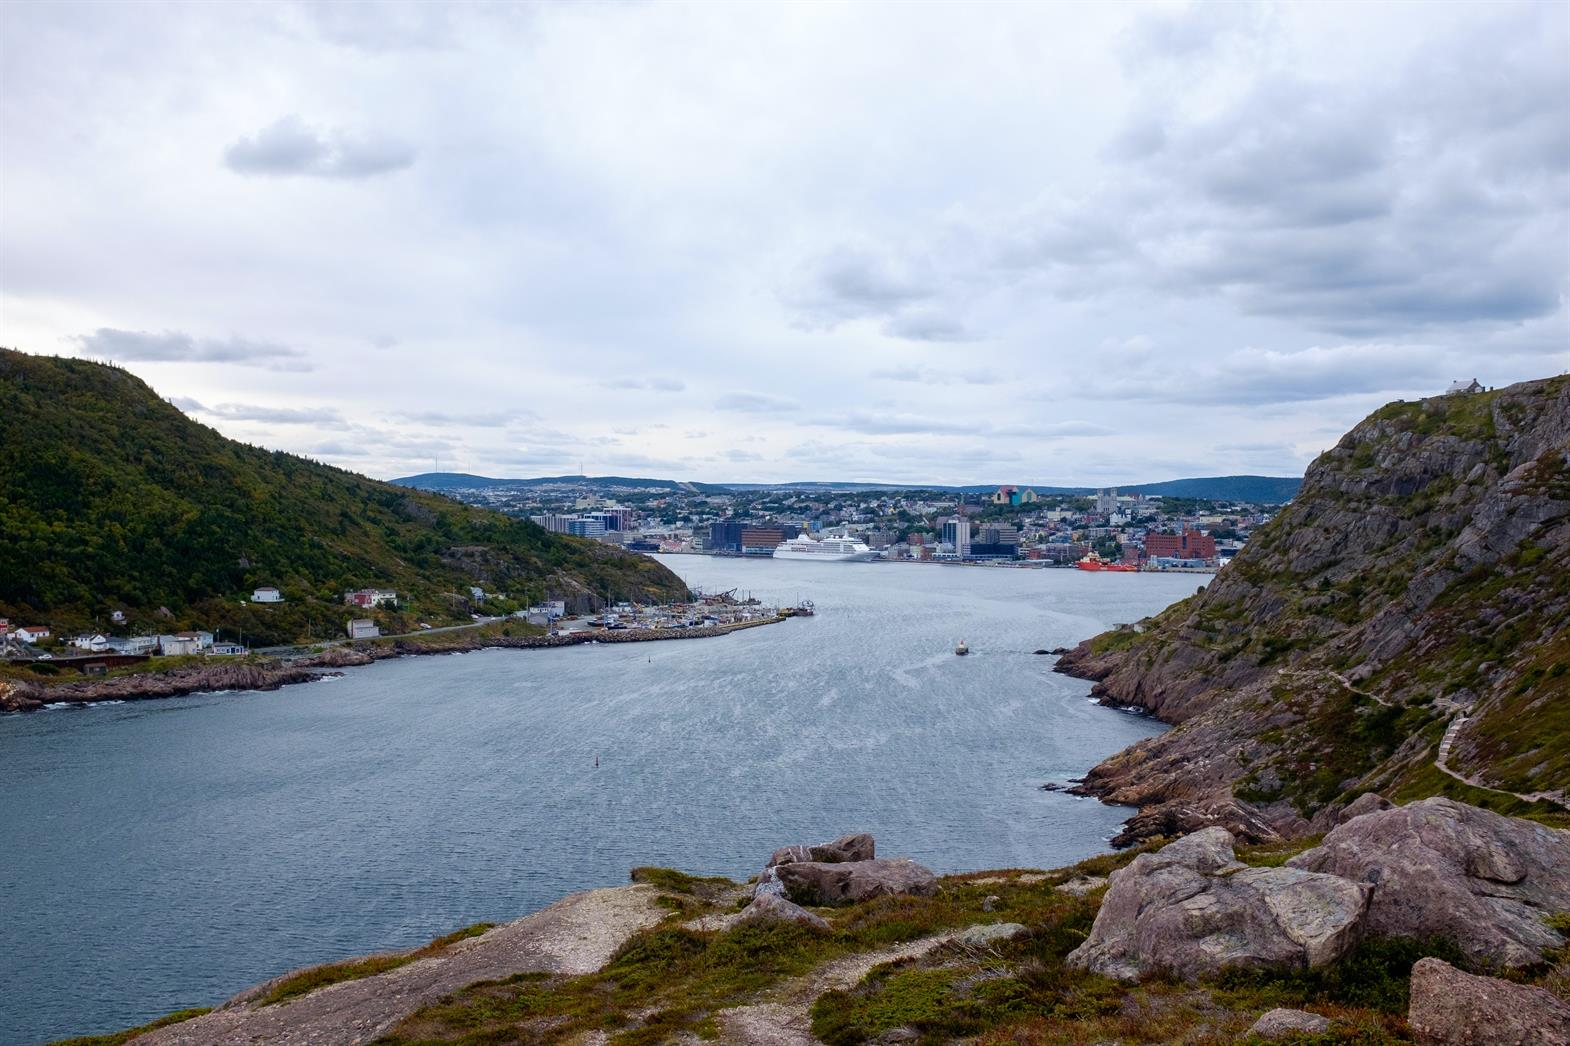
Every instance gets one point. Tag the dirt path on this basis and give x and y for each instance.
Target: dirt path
(1442, 763)
(784, 1017)
(577, 934)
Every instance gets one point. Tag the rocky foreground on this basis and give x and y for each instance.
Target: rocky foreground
(1435, 923)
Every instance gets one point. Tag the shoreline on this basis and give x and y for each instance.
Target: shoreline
(275, 673)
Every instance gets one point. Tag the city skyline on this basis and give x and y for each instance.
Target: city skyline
(1091, 245)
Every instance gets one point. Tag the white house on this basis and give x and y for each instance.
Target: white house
(371, 597)
(173, 646)
(31, 633)
(117, 616)
(203, 640)
(96, 642)
(363, 628)
(267, 594)
(226, 650)
(1461, 388)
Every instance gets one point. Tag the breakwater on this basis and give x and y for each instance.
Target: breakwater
(272, 674)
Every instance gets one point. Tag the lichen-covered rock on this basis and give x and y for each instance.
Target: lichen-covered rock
(1439, 868)
(1367, 803)
(772, 908)
(846, 848)
(850, 882)
(1451, 1008)
(1191, 910)
(1281, 1022)
(988, 934)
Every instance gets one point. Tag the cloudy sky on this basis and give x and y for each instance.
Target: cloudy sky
(981, 243)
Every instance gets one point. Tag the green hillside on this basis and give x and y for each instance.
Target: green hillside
(111, 498)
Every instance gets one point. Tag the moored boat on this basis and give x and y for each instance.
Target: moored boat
(1094, 561)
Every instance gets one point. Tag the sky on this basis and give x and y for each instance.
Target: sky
(1026, 243)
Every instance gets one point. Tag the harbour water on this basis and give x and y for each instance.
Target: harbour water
(166, 854)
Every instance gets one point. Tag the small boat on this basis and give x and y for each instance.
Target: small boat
(961, 649)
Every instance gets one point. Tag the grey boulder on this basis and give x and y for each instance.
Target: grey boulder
(988, 934)
(1438, 868)
(849, 882)
(771, 908)
(1281, 1022)
(1191, 910)
(846, 848)
(1367, 803)
(1452, 1008)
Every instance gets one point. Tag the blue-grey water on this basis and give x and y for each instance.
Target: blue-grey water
(166, 854)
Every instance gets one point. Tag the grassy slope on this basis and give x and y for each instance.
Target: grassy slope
(110, 497)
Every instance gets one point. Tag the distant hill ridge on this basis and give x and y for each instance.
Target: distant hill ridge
(1268, 490)
(111, 498)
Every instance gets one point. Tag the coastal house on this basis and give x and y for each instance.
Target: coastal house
(178, 645)
(132, 645)
(226, 650)
(94, 642)
(267, 594)
(371, 597)
(1464, 388)
(363, 628)
(203, 640)
(32, 633)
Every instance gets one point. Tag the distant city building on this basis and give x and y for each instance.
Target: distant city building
(1191, 544)
(267, 594)
(585, 527)
(1107, 501)
(554, 522)
(363, 628)
(761, 541)
(956, 532)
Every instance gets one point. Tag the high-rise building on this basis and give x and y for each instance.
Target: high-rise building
(956, 532)
(585, 527)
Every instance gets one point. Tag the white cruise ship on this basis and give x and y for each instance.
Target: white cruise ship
(829, 550)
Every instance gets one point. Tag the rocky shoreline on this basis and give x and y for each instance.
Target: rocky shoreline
(272, 674)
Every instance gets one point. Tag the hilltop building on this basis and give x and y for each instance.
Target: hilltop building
(267, 594)
(1464, 388)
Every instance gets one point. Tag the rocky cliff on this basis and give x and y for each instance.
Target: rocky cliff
(1403, 624)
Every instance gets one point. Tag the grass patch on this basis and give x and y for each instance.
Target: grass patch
(116, 1038)
(307, 981)
(680, 882)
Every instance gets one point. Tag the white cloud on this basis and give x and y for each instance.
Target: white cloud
(1015, 243)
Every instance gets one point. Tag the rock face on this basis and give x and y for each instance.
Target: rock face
(850, 882)
(1191, 910)
(1428, 530)
(1452, 1008)
(1280, 1022)
(1438, 868)
(773, 908)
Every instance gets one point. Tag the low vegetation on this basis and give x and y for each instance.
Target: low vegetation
(119, 1037)
(333, 973)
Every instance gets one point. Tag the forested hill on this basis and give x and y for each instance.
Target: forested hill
(1403, 625)
(111, 498)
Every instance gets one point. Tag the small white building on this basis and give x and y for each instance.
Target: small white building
(178, 645)
(226, 650)
(117, 616)
(203, 640)
(363, 628)
(1464, 388)
(32, 633)
(95, 642)
(267, 594)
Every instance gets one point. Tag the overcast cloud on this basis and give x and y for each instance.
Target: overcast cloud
(1005, 243)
